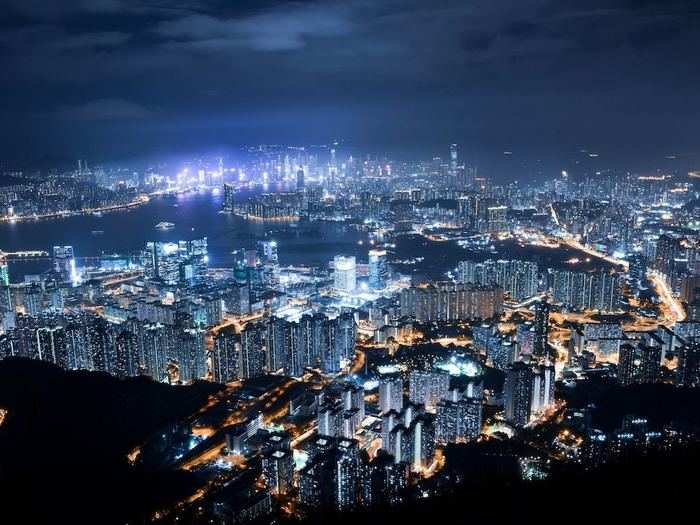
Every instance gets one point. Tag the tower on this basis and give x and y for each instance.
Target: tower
(539, 348)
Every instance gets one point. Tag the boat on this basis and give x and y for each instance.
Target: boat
(165, 225)
(97, 213)
(97, 232)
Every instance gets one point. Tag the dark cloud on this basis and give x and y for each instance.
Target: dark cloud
(522, 29)
(103, 110)
(477, 41)
(542, 74)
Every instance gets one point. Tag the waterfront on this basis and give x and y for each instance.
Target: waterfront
(195, 215)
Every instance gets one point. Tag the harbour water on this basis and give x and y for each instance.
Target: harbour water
(194, 215)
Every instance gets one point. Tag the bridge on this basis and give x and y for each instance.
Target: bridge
(23, 254)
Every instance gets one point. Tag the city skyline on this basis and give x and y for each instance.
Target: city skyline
(298, 262)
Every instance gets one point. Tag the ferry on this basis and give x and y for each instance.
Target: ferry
(165, 225)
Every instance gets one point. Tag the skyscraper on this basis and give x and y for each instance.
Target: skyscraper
(688, 371)
(458, 421)
(331, 478)
(253, 343)
(517, 393)
(390, 394)
(225, 357)
(428, 387)
(453, 159)
(161, 262)
(4, 272)
(540, 345)
(638, 363)
(378, 271)
(447, 301)
(64, 263)
(344, 273)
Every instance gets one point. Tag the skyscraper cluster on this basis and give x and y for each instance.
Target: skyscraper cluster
(528, 390)
(598, 290)
(341, 414)
(519, 279)
(287, 346)
(446, 301)
(172, 263)
(164, 352)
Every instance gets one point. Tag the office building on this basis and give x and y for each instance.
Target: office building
(344, 273)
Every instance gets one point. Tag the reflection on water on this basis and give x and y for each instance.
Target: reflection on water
(193, 215)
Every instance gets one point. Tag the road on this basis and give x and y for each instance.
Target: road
(671, 308)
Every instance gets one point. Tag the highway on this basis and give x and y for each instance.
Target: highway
(671, 308)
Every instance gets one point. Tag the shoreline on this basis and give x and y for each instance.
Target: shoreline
(66, 214)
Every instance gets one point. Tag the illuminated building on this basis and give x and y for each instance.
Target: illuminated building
(193, 260)
(421, 442)
(344, 273)
(601, 338)
(496, 219)
(390, 394)
(383, 480)
(36, 337)
(517, 393)
(172, 263)
(540, 345)
(668, 249)
(690, 289)
(253, 344)
(453, 160)
(688, 370)
(637, 270)
(409, 436)
(501, 351)
(542, 388)
(279, 341)
(158, 341)
(344, 335)
(331, 478)
(427, 387)
(225, 357)
(270, 206)
(161, 262)
(33, 299)
(64, 263)
(445, 301)
(330, 419)
(520, 279)
(190, 355)
(525, 338)
(353, 399)
(300, 180)
(311, 338)
(638, 363)
(458, 420)
(100, 344)
(278, 471)
(237, 299)
(126, 354)
(4, 272)
(378, 269)
(598, 290)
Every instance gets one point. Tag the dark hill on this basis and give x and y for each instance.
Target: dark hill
(65, 438)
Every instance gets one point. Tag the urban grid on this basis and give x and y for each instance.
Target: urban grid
(314, 331)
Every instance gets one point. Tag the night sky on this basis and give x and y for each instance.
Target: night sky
(116, 79)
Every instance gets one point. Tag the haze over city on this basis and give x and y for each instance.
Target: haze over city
(307, 262)
(540, 78)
